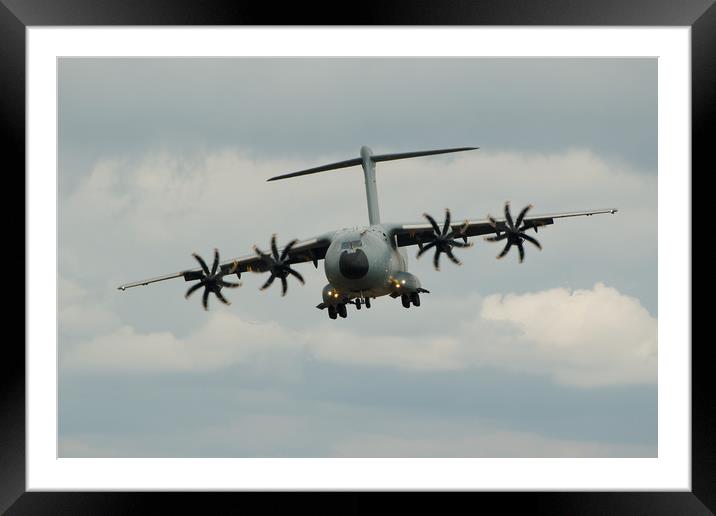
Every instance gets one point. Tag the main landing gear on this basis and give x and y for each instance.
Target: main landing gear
(413, 298)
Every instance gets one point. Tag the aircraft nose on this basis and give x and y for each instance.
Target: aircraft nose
(353, 265)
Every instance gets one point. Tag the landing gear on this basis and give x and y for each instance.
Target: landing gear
(332, 312)
(412, 298)
(367, 302)
(357, 301)
(341, 309)
(415, 298)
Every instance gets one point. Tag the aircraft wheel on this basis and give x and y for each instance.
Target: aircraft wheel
(415, 299)
(406, 300)
(367, 302)
(332, 312)
(358, 303)
(342, 311)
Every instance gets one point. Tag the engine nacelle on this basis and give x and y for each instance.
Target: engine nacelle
(405, 283)
(331, 295)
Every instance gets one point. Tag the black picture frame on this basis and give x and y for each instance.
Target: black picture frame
(16, 15)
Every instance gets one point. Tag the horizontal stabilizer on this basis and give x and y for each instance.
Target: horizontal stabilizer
(389, 157)
(373, 157)
(330, 166)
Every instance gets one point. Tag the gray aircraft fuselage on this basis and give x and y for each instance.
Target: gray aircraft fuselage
(364, 262)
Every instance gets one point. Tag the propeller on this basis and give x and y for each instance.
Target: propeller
(514, 234)
(212, 281)
(279, 265)
(443, 240)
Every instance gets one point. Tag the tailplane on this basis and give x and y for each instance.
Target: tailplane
(368, 160)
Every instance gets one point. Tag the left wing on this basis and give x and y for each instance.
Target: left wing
(309, 250)
(418, 233)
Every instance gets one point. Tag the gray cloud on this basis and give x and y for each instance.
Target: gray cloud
(302, 108)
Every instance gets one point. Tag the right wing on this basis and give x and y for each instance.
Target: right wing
(310, 250)
(414, 234)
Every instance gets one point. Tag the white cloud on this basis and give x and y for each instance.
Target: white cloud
(79, 314)
(224, 341)
(580, 337)
(584, 337)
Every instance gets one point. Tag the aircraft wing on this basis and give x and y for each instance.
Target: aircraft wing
(309, 250)
(412, 234)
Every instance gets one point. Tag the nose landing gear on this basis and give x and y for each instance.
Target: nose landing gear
(341, 309)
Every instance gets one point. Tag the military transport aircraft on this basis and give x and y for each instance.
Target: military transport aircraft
(364, 263)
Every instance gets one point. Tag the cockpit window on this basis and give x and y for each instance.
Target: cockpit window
(351, 245)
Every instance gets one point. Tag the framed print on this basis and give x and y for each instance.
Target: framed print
(570, 371)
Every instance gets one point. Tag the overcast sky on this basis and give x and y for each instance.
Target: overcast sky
(159, 158)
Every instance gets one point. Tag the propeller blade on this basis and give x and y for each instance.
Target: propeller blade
(492, 221)
(284, 286)
(446, 227)
(261, 254)
(436, 259)
(205, 299)
(522, 215)
(531, 240)
(228, 284)
(455, 243)
(215, 265)
(222, 298)
(296, 275)
(508, 215)
(452, 257)
(460, 232)
(193, 289)
(268, 282)
(434, 224)
(202, 263)
(288, 248)
(521, 250)
(504, 251)
(274, 249)
(425, 248)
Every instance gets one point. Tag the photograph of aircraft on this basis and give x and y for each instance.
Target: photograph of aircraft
(364, 263)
